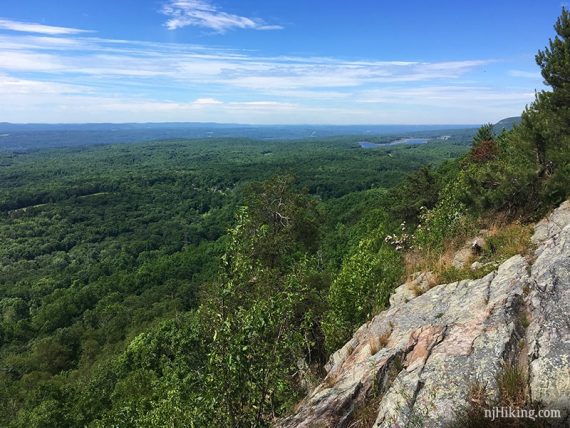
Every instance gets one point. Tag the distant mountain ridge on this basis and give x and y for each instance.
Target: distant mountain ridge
(506, 124)
(29, 136)
(329, 129)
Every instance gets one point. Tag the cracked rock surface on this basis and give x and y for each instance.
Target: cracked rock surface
(422, 357)
(548, 334)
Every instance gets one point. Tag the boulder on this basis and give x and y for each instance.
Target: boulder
(472, 247)
(440, 344)
(419, 284)
(476, 265)
(461, 257)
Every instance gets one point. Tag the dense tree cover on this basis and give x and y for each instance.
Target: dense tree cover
(198, 283)
(114, 261)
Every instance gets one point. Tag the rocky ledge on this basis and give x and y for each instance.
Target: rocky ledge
(419, 362)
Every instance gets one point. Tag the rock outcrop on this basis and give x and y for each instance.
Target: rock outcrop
(419, 284)
(548, 334)
(417, 363)
(472, 247)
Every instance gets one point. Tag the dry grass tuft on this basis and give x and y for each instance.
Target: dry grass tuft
(507, 241)
(503, 239)
(365, 415)
(417, 289)
(378, 342)
(478, 395)
(512, 385)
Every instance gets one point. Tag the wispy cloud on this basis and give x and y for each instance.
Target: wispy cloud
(459, 95)
(294, 75)
(27, 27)
(16, 86)
(203, 13)
(67, 77)
(207, 102)
(525, 74)
(29, 61)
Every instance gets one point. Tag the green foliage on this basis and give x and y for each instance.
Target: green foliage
(547, 120)
(447, 218)
(484, 133)
(362, 288)
(554, 62)
(419, 191)
(264, 311)
(484, 145)
(157, 378)
(288, 218)
(252, 359)
(506, 242)
(107, 252)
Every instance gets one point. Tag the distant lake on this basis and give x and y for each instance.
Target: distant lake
(413, 141)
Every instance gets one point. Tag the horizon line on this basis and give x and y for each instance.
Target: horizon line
(247, 124)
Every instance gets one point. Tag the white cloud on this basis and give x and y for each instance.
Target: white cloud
(29, 61)
(15, 86)
(345, 74)
(202, 13)
(19, 42)
(307, 94)
(271, 105)
(82, 78)
(79, 108)
(207, 102)
(28, 101)
(456, 96)
(198, 65)
(525, 74)
(26, 27)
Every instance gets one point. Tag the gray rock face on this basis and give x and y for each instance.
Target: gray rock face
(471, 248)
(461, 257)
(419, 284)
(549, 302)
(420, 359)
(552, 225)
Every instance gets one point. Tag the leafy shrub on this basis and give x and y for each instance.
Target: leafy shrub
(442, 222)
(363, 286)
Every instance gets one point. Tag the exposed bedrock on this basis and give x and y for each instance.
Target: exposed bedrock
(418, 361)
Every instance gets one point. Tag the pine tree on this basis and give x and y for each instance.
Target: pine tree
(547, 119)
(554, 62)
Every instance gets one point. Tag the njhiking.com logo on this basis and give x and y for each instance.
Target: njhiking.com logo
(496, 413)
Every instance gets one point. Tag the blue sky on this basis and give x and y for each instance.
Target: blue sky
(270, 62)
